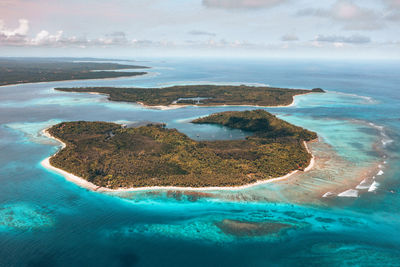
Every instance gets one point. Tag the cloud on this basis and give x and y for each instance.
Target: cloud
(351, 15)
(392, 3)
(393, 10)
(117, 35)
(19, 37)
(289, 37)
(347, 10)
(15, 36)
(6, 3)
(316, 12)
(355, 17)
(45, 38)
(353, 39)
(21, 30)
(242, 4)
(213, 43)
(338, 45)
(194, 32)
(393, 16)
(114, 38)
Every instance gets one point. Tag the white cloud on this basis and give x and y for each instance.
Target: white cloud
(14, 36)
(289, 37)
(110, 39)
(353, 39)
(45, 38)
(355, 17)
(316, 12)
(244, 4)
(315, 44)
(19, 37)
(196, 32)
(347, 10)
(351, 15)
(21, 30)
(393, 16)
(393, 10)
(392, 3)
(338, 45)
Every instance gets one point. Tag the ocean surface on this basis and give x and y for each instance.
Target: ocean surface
(345, 211)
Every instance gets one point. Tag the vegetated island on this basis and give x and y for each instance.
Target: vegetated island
(31, 70)
(111, 156)
(202, 95)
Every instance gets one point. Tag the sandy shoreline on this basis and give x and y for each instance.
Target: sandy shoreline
(175, 106)
(88, 185)
(68, 176)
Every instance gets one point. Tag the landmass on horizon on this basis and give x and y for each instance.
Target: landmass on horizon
(113, 157)
(31, 70)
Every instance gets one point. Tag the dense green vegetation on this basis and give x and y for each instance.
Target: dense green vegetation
(200, 95)
(28, 70)
(262, 123)
(112, 156)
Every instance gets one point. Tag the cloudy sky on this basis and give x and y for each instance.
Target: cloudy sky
(262, 28)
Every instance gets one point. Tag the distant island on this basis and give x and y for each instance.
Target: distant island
(31, 70)
(111, 156)
(202, 95)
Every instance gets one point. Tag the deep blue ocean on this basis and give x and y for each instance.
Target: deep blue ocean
(46, 220)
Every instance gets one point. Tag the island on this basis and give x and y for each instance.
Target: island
(201, 95)
(114, 157)
(32, 70)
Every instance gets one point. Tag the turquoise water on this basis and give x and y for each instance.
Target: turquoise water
(48, 221)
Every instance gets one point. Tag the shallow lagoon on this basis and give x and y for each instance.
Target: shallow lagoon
(47, 220)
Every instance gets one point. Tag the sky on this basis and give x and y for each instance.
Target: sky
(201, 28)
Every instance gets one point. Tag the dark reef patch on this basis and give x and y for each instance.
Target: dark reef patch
(251, 229)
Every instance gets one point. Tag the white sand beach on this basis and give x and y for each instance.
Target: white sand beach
(176, 106)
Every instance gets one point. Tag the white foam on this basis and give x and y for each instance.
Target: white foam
(365, 184)
(328, 194)
(367, 98)
(385, 138)
(380, 172)
(376, 126)
(362, 186)
(373, 187)
(349, 193)
(386, 141)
